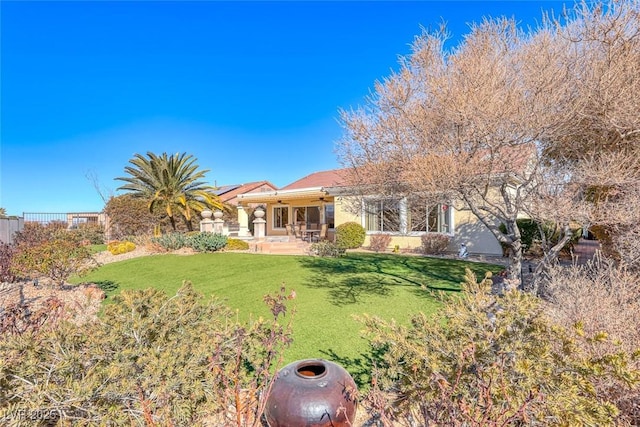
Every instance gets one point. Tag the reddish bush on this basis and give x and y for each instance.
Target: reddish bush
(56, 259)
(35, 233)
(435, 243)
(7, 253)
(379, 242)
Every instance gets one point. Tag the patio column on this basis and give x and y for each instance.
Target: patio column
(206, 225)
(259, 224)
(218, 222)
(243, 222)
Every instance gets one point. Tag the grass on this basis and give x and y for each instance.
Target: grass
(329, 291)
(97, 248)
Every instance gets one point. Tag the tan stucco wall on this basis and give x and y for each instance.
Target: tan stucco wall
(470, 231)
(467, 229)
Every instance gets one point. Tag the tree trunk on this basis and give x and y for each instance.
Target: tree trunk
(514, 270)
(550, 258)
(173, 223)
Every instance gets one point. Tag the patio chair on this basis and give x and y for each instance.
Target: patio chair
(303, 228)
(289, 228)
(322, 235)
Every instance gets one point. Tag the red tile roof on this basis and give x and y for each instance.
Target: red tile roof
(330, 178)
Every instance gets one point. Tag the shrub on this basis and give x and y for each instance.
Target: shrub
(7, 253)
(486, 359)
(35, 233)
(153, 359)
(206, 242)
(326, 249)
(236, 245)
(117, 247)
(171, 241)
(531, 237)
(56, 259)
(350, 235)
(570, 293)
(130, 216)
(434, 243)
(380, 242)
(93, 233)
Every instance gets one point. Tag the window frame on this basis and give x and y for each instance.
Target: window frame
(444, 220)
(277, 217)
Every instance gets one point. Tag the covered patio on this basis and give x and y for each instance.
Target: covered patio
(305, 214)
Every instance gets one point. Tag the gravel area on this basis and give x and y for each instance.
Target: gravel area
(81, 302)
(105, 257)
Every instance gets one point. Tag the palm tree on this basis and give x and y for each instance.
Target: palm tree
(170, 183)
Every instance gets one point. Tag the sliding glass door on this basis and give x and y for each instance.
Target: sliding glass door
(306, 214)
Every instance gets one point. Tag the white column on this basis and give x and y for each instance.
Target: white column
(243, 222)
(259, 224)
(403, 215)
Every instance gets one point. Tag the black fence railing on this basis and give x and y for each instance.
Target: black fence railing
(72, 219)
(44, 217)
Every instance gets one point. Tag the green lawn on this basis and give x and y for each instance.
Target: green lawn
(329, 290)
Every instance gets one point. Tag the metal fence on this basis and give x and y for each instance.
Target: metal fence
(73, 219)
(44, 218)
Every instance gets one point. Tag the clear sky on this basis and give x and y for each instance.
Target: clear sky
(251, 89)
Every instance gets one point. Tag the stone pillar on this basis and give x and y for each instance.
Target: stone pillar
(218, 222)
(243, 222)
(207, 223)
(259, 224)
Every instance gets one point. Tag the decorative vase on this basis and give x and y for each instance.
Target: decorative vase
(218, 214)
(258, 213)
(312, 393)
(206, 214)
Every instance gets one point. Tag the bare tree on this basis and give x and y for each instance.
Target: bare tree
(598, 143)
(489, 123)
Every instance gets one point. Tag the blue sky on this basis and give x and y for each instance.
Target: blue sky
(251, 89)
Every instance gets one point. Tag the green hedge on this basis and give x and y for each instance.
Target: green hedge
(350, 235)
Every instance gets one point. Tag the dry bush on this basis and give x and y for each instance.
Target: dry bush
(435, 243)
(601, 297)
(380, 242)
(490, 360)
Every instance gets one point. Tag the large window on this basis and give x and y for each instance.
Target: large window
(406, 215)
(280, 216)
(382, 215)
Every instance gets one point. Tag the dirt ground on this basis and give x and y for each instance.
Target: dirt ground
(81, 302)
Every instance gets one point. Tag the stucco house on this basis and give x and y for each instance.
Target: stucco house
(324, 198)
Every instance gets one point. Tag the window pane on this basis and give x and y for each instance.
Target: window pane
(372, 215)
(280, 217)
(382, 215)
(417, 213)
(313, 215)
(433, 220)
(329, 216)
(390, 215)
(445, 219)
